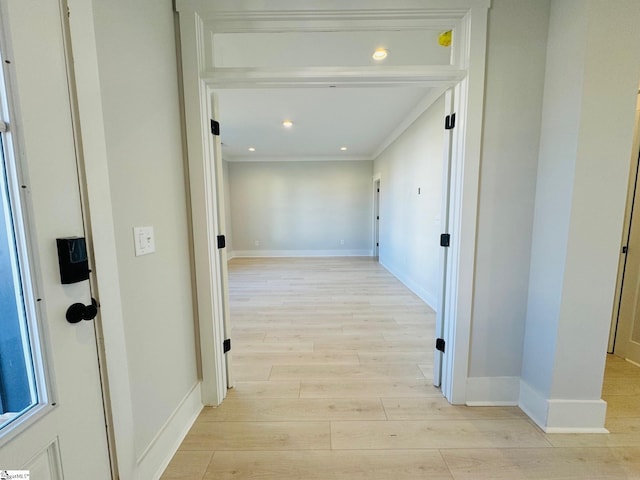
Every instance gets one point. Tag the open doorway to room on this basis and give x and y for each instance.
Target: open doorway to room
(294, 318)
(624, 338)
(235, 53)
(622, 372)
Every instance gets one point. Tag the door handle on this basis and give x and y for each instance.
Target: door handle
(80, 311)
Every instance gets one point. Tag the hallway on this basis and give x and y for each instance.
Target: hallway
(333, 366)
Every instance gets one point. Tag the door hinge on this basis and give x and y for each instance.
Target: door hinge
(377, 244)
(226, 345)
(215, 127)
(450, 121)
(440, 344)
(378, 190)
(625, 249)
(445, 240)
(377, 217)
(222, 241)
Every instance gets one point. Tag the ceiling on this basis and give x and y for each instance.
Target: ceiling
(364, 120)
(328, 116)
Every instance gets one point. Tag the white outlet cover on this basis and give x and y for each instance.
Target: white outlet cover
(144, 240)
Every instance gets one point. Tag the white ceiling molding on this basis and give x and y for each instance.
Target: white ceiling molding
(307, 158)
(428, 76)
(209, 8)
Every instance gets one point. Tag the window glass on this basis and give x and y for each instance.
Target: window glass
(20, 360)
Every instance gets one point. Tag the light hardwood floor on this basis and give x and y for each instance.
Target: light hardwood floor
(333, 363)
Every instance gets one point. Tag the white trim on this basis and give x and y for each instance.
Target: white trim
(203, 211)
(445, 204)
(430, 299)
(222, 274)
(375, 222)
(90, 116)
(563, 416)
(469, 100)
(429, 76)
(493, 391)
(324, 158)
(336, 20)
(575, 430)
(300, 253)
(360, 7)
(533, 404)
(155, 458)
(586, 416)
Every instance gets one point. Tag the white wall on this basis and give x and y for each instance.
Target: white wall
(301, 208)
(514, 86)
(138, 77)
(410, 221)
(580, 201)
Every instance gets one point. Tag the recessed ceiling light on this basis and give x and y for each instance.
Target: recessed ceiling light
(380, 54)
(287, 124)
(252, 149)
(343, 149)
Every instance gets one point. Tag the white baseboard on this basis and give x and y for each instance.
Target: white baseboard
(563, 416)
(427, 297)
(302, 253)
(154, 460)
(533, 404)
(576, 416)
(493, 391)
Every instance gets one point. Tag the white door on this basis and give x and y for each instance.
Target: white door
(222, 258)
(63, 433)
(626, 327)
(376, 219)
(628, 337)
(444, 228)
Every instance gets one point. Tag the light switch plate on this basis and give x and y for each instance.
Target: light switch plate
(144, 240)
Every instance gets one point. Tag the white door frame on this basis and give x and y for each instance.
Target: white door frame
(375, 247)
(88, 112)
(615, 346)
(468, 18)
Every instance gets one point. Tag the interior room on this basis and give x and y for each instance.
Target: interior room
(180, 157)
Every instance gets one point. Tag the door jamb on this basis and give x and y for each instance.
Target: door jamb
(375, 249)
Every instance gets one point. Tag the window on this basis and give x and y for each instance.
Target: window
(21, 373)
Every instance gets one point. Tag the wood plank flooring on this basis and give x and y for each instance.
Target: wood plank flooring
(333, 364)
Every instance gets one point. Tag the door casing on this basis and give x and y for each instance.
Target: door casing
(466, 74)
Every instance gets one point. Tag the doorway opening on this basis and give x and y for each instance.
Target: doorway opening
(464, 72)
(624, 338)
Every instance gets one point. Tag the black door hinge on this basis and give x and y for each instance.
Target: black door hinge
(226, 345)
(440, 344)
(377, 244)
(445, 240)
(215, 127)
(377, 217)
(222, 242)
(625, 249)
(450, 121)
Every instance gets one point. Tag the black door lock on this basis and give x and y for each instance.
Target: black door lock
(79, 311)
